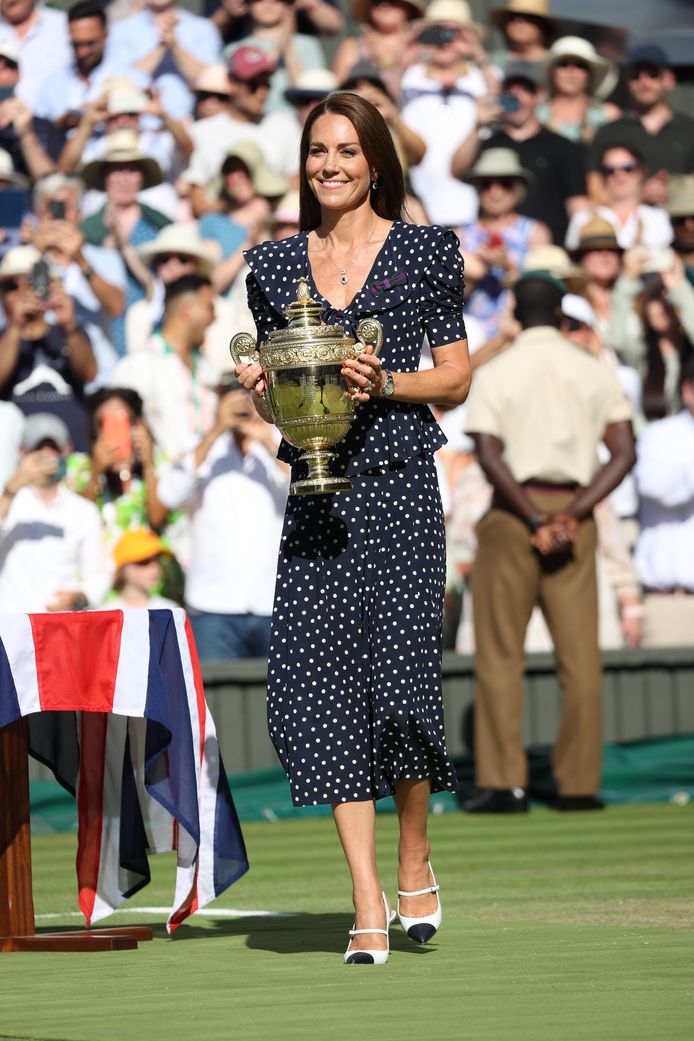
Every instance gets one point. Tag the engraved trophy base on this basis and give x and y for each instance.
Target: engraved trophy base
(319, 481)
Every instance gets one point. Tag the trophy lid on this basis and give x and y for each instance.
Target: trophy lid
(304, 311)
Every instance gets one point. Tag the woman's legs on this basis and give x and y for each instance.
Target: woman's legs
(356, 826)
(412, 803)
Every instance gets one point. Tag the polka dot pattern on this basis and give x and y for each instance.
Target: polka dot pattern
(354, 675)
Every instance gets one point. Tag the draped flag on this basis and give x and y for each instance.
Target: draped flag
(117, 709)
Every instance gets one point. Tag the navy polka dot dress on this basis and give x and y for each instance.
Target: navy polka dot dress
(354, 677)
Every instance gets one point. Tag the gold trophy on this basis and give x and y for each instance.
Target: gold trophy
(305, 388)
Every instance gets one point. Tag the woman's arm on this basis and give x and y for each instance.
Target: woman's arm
(447, 383)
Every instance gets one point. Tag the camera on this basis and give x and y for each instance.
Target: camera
(509, 102)
(437, 36)
(39, 279)
(56, 208)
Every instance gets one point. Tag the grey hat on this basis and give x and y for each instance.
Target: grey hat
(523, 70)
(44, 426)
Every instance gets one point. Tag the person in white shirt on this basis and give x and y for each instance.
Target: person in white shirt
(665, 548)
(174, 381)
(235, 492)
(41, 34)
(52, 555)
(11, 429)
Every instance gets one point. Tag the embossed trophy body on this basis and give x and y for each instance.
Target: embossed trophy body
(305, 392)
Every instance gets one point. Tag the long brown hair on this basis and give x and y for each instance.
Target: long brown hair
(388, 199)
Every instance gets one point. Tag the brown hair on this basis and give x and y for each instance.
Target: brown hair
(376, 141)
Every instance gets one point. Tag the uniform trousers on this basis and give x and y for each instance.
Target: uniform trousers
(509, 577)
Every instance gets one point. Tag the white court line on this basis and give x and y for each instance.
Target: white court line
(205, 912)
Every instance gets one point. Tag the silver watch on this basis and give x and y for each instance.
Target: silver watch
(388, 386)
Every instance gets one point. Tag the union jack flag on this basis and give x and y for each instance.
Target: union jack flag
(116, 707)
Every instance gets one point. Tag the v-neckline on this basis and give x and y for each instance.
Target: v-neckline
(366, 281)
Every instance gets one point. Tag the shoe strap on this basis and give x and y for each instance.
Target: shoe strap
(358, 932)
(418, 892)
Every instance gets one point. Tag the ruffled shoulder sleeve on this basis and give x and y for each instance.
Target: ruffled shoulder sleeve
(441, 293)
(266, 318)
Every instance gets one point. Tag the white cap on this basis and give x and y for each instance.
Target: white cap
(9, 50)
(578, 308)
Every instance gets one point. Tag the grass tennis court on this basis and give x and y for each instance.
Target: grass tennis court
(565, 927)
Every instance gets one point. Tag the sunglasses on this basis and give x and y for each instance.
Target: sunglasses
(681, 219)
(10, 286)
(261, 83)
(207, 95)
(607, 170)
(573, 325)
(183, 258)
(651, 71)
(570, 63)
(508, 183)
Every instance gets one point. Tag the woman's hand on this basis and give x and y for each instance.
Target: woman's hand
(143, 444)
(365, 376)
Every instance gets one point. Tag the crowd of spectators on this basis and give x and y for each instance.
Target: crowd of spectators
(143, 148)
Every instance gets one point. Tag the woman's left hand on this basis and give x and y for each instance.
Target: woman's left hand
(365, 376)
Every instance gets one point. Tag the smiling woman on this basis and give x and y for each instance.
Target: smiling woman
(354, 677)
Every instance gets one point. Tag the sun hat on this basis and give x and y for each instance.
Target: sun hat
(44, 426)
(9, 50)
(362, 8)
(597, 233)
(457, 12)
(535, 8)
(123, 100)
(501, 162)
(245, 63)
(138, 544)
(311, 85)
(286, 211)
(557, 262)
(8, 172)
(214, 79)
(680, 202)
(578, 308)
(122, 146)
(603, 73)
(179, 238)
(18, 261)
(265, 181)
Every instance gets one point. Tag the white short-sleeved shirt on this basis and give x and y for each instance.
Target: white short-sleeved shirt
(277, 135)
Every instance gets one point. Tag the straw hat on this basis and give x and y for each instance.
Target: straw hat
(286, 211)
(456, 12)
(311, 85)
(597, 233)
(128, 100)
(536, 8)
(680, 201)
(557, 262)
(362, 8)
(214, 79)
(18, 261)
(603, 73)
(9, 50)
(502, 162)
(265, 181)
(122, 146)
(136, 545)
(179, 238)
(8, 172)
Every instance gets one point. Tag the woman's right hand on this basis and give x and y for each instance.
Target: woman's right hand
(252, 378)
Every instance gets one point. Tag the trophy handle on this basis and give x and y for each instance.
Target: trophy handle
(243, 349)
(370, 331)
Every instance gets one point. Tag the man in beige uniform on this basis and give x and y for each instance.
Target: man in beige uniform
(537, 413)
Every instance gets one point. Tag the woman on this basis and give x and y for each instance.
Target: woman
(384, 35)
(366, 566)
(496, 245)
(667, 350)
(577, 80)
(527, 29)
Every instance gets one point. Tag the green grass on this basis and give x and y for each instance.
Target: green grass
(564, 927)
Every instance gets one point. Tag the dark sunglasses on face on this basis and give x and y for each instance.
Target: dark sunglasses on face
(681, 219)
(607, 170)
(262, 83)
(206, 95)
(571, 63)
(10, 286)
(652, 71)
(572, 325)
(503, 182)
(182, 258)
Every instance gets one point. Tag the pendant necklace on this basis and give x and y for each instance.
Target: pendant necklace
(344, 277)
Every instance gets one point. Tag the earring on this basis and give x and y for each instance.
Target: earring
(374, 185)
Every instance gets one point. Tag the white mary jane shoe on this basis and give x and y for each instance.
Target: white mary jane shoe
(367, 957)
(421, 930)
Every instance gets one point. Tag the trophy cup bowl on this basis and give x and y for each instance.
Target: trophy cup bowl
(305, 389)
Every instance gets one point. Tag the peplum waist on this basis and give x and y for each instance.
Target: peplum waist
(383, 434)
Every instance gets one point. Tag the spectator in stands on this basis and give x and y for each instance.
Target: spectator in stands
(680, 206)
(139, 572)
(22, 136)
(557, 164)
(527, 29)
(179, 250)
(243, 120)
(168, 43)
(11, 429)
(384, 34)
(663, 137)
(536, 414)
(51, 552)
(450, 70)
(235, 490)
(272, 29)
(41, 36)
(310, 88)
(176, 383)
(366, 80)
(94, 276)
(124, 223)
(496, 244)
(15, 204)
(45, 357)
(211, 92)
(623, 173)
(668, 347)
(665, 548)
(315, 17)
(577, 80)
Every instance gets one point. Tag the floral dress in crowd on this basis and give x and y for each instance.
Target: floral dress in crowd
(491, 297)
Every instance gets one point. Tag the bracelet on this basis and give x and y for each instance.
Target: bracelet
(88, 271)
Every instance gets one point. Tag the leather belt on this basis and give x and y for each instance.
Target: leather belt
(673, 591)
